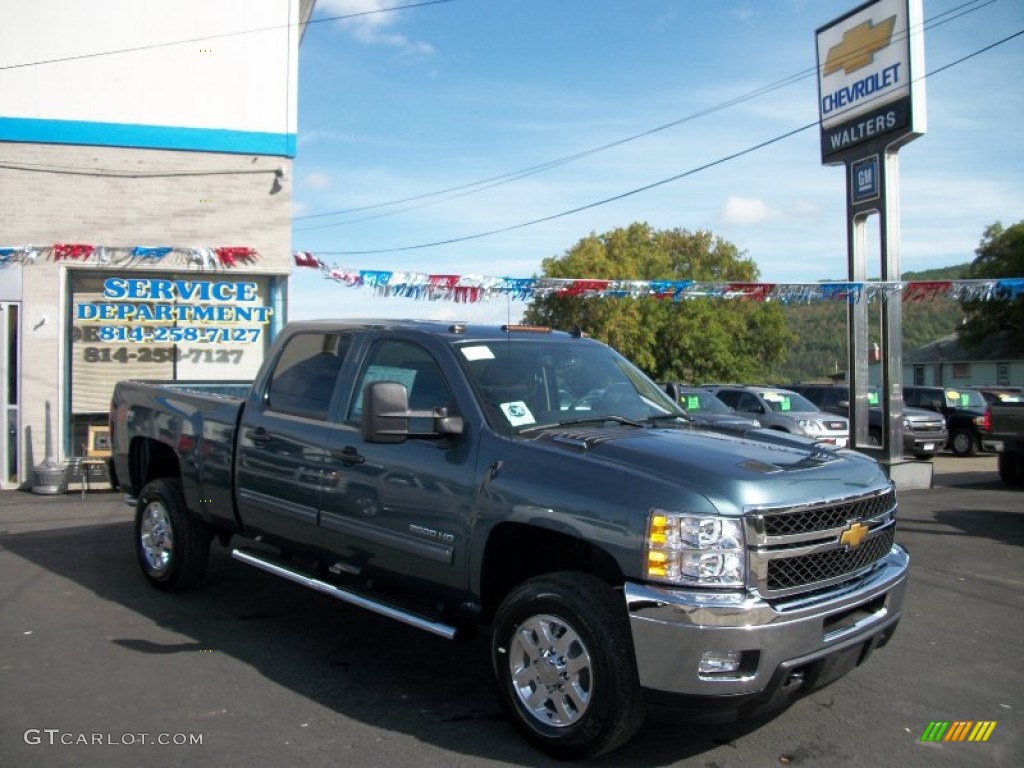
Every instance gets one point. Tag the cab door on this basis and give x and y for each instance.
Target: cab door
(400, 509)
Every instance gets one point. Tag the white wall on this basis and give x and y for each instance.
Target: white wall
(215, 75)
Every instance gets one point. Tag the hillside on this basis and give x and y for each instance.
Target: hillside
(820, 347)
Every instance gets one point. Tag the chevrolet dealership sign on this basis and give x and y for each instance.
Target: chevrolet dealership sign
(870, 77)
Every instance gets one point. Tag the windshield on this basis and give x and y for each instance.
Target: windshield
(524, 384)
(695, 401)
(964, 398)
(783, 401)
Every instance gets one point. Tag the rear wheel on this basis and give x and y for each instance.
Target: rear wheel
(563, 660)
(172, 545)
(963, 443)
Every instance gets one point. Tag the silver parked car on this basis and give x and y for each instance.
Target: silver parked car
(785, 410)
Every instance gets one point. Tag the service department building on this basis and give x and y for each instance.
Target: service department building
(145, 204)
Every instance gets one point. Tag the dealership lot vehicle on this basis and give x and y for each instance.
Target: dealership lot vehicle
(787, 411)
(963, 409)
(924, 432)
(705, 409)
(538, 485)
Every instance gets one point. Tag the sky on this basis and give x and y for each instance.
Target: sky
(400, 105)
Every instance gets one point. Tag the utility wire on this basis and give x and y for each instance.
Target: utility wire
(645, 187)
(489, 183)
(170, 43)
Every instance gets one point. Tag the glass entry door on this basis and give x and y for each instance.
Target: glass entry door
(10, 355)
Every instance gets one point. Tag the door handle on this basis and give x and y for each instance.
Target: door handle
(349, 455)
(259, 435)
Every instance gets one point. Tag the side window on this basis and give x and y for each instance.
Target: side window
(304, 376)
(412, 366)
(727, 397)
(749, 404)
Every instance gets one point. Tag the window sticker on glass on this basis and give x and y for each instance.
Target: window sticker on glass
(517, 413)
(477, 353)
(872, 398)
(692, 403)
(779, 401)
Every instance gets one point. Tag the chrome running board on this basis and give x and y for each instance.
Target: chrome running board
(264, 563)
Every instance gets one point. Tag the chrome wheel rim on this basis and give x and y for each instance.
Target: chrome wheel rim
(156, 536)
(552, 674)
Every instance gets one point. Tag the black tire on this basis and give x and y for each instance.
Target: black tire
(963, 443)
(924, 456)
(563, 660)
(172, 545)
(1011, 468)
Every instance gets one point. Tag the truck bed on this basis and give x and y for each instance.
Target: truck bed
(191, 423)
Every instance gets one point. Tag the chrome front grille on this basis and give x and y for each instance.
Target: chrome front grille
(800, 549)
(821, 518)
(787, 573)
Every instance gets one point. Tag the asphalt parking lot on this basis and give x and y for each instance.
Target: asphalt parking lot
(97, 668)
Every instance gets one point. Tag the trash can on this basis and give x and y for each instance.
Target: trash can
(48, 478)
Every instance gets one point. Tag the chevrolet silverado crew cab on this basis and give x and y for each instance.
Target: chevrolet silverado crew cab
(536, 485)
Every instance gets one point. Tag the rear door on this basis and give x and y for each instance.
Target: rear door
(283, 437)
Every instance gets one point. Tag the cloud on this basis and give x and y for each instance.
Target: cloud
(317, 180)
(744, 211)
(371, 25)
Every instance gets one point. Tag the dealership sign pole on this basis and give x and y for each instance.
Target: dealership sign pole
(871, 102)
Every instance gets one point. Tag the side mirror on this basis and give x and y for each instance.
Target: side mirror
(673, 390)
(386, 415)
(385, 412)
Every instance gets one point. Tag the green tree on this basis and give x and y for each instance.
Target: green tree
(696, 340)
(997, 323)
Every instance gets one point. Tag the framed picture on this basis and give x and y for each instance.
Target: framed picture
(99, 442)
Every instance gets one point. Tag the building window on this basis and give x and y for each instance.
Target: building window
(1003, 374)
(961, 370)
(919, 375)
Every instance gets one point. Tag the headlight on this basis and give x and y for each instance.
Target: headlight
(698, 550)
(810, 425)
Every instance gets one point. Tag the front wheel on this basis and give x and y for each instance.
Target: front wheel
(963, 443)
(563, 660)
(172, 545)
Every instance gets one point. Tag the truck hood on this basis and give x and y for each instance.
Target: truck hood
(760, 467)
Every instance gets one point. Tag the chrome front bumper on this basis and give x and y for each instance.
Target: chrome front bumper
(672, 628)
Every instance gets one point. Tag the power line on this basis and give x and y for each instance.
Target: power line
(489, 183)
(258, 30)
(645, 187)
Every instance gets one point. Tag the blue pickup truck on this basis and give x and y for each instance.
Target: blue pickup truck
(535, 485)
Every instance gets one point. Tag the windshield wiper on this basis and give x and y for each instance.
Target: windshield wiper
(599, 419)
(673, 416)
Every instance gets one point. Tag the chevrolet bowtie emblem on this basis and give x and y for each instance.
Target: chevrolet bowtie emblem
(854, 535)
(859, 46)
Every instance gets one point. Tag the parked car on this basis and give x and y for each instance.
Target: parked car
(924, 432)
(787, 411)
(1005, 435)
(963, 409)
(996, 395)
(707, 410)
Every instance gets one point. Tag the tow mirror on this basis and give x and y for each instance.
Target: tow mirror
(386, 415)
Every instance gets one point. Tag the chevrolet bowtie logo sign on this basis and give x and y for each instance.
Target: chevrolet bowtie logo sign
(859, 46)
(854, 535)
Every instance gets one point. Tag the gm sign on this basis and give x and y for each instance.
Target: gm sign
(870, 70)
(864, 181)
